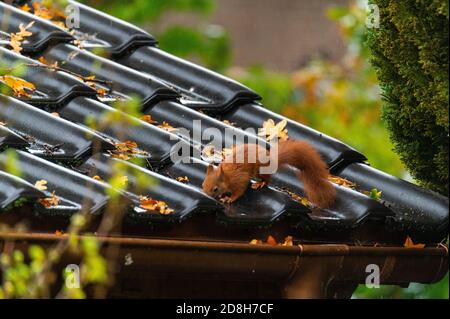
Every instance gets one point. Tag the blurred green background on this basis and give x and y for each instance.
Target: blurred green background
(339, 97)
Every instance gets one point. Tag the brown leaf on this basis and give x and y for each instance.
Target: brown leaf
(341, 182)
(166, 126)
(410, 244)
(97, 178)
(151, 204)
(148, 119)
(271, 241)
(16, 38)
(49, 201)
(259, 185)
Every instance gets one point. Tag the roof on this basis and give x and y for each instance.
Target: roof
(60, 148)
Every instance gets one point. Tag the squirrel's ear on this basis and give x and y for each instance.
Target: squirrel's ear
(210, 169)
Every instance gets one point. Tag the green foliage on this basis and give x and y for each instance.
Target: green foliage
(410, 54)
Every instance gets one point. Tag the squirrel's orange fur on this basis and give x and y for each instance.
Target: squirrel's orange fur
(231, 178)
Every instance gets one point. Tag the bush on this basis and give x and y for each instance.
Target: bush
(410, 54)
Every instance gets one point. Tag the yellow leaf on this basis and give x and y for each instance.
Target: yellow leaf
(183, 179)
(151, 204)
(41, 185)
(270, 130)
(166, 126)
(288, 241)
(19, 86)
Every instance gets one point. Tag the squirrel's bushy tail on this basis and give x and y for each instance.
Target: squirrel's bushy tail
(313, 170)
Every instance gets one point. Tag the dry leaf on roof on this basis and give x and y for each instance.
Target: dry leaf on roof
(148, 119)
(227, 122)
(151, 204)
(259, 185)
(49, 201)
(410, 244)
(41, 185)
(25, 8)
(183, 179)
(58, 233)
(126, 150)
(270, 130)
(166, 126)
(341, 182)
(97, 178)
(302, 200)
(20, 87)
(16, 38)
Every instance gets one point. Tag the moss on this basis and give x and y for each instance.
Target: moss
(410, 54)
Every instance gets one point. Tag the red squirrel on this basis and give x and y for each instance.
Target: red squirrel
(229, 181)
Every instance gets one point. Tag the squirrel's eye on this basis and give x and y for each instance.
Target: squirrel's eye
(215, 189)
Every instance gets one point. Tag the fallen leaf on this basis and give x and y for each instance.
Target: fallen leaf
(16, 38)
(151, 204)
(41, 185)
(58, 233)
(410, 244)
(375, 194)
(259, 185)
(271, 241)
(49, 201)
(19, 86)
(270, 130)
(288, 241)
(256, 242)
(341, 182)
(97, 178)
(229, 123)
(148, 119)
(183, 179)
(25, 8)
(127, 150)
(166, 126)
(55, 114)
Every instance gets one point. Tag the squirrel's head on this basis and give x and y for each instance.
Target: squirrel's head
(215, 183)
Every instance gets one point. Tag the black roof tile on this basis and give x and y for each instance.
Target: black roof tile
(200, 128)
(125, 81)
(10, 139)
(156, 77)
(418, 211)
(53, 88)
(13, 188)
(44, 33)
(48, 135)
(183, 199)
(117, 36)
(157, 142)
(76, 191)
(199, 87)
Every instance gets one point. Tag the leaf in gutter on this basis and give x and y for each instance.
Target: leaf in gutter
(256, 242)
(288, 241)
(271, 241)
(25, 8)
(49, 201)
(410, 244)
(341, 182)
(259, 185)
